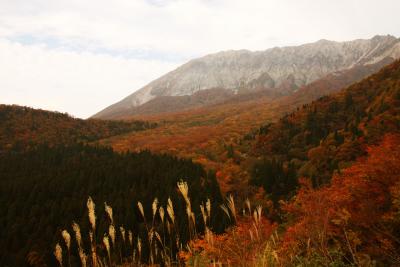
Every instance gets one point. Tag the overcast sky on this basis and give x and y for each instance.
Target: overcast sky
(79, 56)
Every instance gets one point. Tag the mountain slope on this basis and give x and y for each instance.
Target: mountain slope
(328, 134)
(207, 134)
(280, 69)
(23, 126)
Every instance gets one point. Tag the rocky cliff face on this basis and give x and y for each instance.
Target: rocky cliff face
(277, 68)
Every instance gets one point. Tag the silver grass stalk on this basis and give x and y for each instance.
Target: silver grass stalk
(257, 231)
(151, 235)
(154, 207)
(170, 211)
(109, 212)
(91, 213)
(83, 257)
(67, 238)
(111, 232)
(140, 206)
(225, 209)
(259, 211)
(58, 254)
(255, 215)
(208, 208)
(184, 189)
(248, 205)
(139, 246)
(209, 236)
(93, 247)
(162, 213)
(188, 212)
(130, 237)
(193, 219)
(122, 230)
(251, 235)
(168, 227)
(106, 243)
(231, 206)
(78, 235)
(203, 213)
(158, 237)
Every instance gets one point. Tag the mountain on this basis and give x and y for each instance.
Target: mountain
(327, 135)
(208, 134)
(282, 70)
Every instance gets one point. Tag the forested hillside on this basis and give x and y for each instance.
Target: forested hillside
(219, 136)
(330, 171)
(23, 127)
(45, 189)
(328, 134)
(352, 221)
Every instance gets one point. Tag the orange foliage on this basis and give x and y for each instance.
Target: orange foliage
(357, 212)
(204, 134)
(239, 246)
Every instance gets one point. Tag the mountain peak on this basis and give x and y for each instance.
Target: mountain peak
(271, 69)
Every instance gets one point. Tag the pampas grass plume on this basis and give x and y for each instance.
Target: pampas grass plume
(78, 235)
(170, 210)
(130, 237)
(231, 206)
(111, 232)
(91, 213)
(184, 189)
(140, 206)
(83, 257)
(109, 212)
(162, 213)
(139, 246)
(67, 238)
(58, 254)
(122, 230)
(106, 243)
(154, 206)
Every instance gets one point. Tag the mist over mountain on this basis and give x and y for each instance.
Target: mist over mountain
(278, 70)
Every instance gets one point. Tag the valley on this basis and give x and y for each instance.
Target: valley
(280, 166)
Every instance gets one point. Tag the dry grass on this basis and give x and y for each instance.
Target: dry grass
(160, 245)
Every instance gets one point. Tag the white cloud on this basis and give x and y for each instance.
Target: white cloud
(154, 36)
(78, 83)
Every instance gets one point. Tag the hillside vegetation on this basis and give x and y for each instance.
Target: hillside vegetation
(219, 136)
(24, 127)
(331, 174)
(328, 134)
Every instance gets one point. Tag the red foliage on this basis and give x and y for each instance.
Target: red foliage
(239, 246)
(356, 212)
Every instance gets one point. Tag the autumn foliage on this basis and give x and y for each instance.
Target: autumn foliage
(241, 245)
(356, 218)
(25, 127)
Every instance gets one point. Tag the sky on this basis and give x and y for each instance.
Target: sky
(79, 56)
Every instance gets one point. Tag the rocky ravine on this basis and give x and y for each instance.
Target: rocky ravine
(272, 69)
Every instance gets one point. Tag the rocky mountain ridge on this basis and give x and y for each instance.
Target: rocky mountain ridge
(281, 69)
